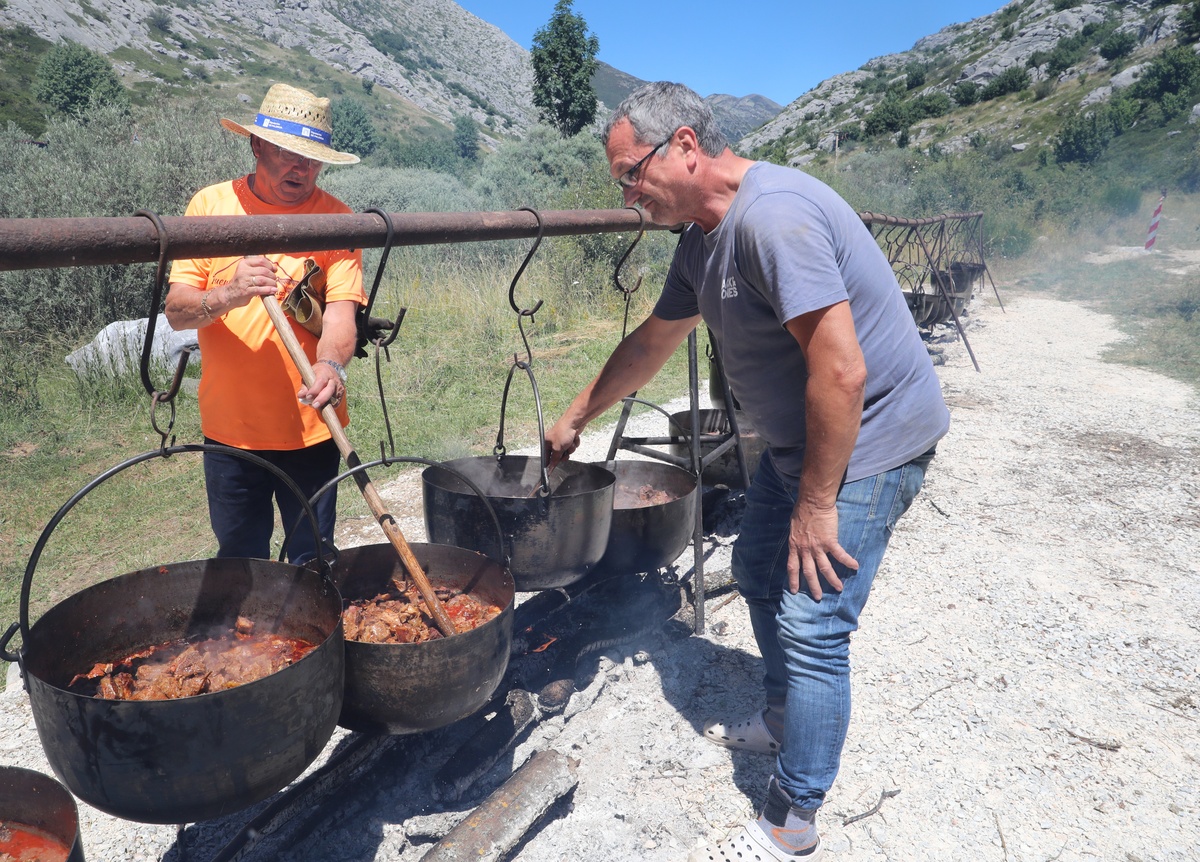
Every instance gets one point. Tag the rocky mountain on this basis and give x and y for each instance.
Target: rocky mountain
(737, 116)
(1059, 44)
(432, 55)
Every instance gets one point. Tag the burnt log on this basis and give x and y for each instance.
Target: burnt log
(492, 830)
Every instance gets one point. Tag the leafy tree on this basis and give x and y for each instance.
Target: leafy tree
(71, 78)
(353, 130)
(564, 61)
(466, 138)
(914, 75)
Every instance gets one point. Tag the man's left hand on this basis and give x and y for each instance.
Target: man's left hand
(811, 542)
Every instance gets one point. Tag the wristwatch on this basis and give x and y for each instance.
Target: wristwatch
(336, 366)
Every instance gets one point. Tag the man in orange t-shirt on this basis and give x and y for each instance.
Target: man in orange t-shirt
(251, 394)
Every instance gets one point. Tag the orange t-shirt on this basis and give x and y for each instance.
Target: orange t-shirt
(248, 382)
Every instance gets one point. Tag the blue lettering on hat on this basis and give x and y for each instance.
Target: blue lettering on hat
(299, 130)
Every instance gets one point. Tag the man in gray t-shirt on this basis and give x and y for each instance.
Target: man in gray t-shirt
(822, 353)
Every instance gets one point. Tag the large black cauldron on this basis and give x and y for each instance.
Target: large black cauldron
(554, 539)
(409, 688)
(193, 758)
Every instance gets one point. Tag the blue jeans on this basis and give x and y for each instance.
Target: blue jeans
(805, 644)
(240, 496)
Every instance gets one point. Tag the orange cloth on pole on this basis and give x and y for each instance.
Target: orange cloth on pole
(248, 382)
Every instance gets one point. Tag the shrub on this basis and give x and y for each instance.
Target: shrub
(890, 115)
(71, 79)
(1118, 45)
(159, 21)
(1175, 71)
(965, 93)
(932, 105)
(1014, 79)
(1084, 137)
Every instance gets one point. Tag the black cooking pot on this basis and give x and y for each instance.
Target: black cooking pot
(553, 539)
(648, 537)
(29, 798)
(410, 688)
(192, 758)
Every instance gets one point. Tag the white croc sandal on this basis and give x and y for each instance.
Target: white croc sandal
(749, 844)
(749, 734)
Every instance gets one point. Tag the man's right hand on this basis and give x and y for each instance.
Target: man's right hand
(254, 276)
(561, 440)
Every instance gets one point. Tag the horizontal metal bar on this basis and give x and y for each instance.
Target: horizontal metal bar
(45, 243)
(879, 218)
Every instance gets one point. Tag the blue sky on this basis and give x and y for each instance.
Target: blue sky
(776, 48)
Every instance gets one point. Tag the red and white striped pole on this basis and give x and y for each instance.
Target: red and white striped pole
(1154, 222)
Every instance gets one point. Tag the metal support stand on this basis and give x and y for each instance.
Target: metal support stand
(694, 462)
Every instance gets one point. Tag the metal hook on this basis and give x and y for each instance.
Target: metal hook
(156, 396)
(526, 312)
(620, 263)
(370, 329)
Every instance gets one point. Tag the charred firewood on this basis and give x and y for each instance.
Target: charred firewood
(480, 753)
(493, 829)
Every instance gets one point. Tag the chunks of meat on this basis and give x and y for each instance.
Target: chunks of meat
(627, 497)
(399, 617)
(185, 668)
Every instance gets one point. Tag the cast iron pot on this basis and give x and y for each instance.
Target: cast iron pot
(645, 538)
(554, 539)
(192, 758)
(724, 470)
(410, 688)
(32, 799)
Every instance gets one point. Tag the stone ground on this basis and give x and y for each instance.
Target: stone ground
(1027, 677)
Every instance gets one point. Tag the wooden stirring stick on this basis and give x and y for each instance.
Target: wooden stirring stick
(390, 528)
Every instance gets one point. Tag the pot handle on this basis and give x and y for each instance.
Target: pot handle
(500, 451)
(4, 641)
(27, 583)
(505, 559)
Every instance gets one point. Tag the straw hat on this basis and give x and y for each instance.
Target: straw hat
(295, 120)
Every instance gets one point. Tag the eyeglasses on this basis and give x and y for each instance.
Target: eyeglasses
(288, 157)
(630, 178)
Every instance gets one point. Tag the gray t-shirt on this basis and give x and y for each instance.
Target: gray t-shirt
(787, 246)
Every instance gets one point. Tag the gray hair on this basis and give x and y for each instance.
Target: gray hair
(658, 109)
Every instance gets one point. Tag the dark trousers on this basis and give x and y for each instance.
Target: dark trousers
(240, 500)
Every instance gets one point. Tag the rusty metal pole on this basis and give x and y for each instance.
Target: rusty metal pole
(50, 243)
